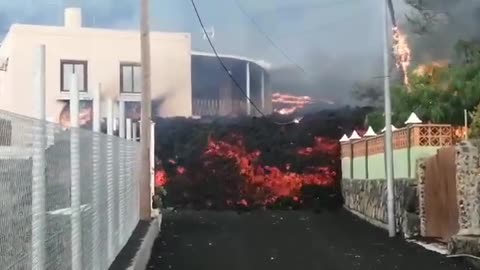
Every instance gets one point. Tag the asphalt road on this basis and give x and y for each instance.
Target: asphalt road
(280, 240)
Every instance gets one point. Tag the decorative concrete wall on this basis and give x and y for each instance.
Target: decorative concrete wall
(368, 198)
(364, 158)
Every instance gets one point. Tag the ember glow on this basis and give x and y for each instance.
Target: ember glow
(429, 69)
(270, 183)
(288, 104)
(160, 178)
(460, 134)
(402, 52)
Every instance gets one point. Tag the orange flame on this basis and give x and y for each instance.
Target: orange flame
(402, 52)
(460, 133)
(291, 103)
(429, 69)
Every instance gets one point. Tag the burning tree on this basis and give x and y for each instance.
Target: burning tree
(401, 51)
(437, 90)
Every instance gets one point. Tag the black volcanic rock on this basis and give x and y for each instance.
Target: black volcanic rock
(182, 142)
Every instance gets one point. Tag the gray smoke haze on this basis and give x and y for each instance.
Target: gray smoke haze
(105, 13)
(443, 24)
(337, 42)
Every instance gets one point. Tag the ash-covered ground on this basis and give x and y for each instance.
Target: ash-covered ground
(285, 240)
(247, 163)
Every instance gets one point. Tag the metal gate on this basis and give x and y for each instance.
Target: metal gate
(441, 211)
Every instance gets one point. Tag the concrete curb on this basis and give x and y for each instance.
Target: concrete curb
(368, 219)
(140, 261)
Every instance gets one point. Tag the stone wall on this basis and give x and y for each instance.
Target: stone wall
(468, 187)
(467, 240)
(421, 168)
(368, 198)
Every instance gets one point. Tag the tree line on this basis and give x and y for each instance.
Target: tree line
(438, 92)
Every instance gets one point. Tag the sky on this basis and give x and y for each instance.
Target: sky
(329, 39)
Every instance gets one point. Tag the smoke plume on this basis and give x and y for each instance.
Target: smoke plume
(435, 27)
(336, 42)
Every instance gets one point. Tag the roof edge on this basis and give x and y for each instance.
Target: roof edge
(262, 63)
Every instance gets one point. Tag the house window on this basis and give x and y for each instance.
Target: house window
(133, 110)
(130, 78)
(68, 67)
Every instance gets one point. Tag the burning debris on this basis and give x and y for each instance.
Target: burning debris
(402, 52)
(401, 48)
(250, 163)
(286, 104)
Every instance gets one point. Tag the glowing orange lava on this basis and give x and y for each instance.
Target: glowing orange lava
(160, 178)
(269, 182)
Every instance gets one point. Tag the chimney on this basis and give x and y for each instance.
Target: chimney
(73, 18)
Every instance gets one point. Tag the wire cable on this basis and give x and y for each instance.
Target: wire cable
(237, 84)
(267, 37)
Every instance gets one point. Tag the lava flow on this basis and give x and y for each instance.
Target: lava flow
(253, 183)
(401, 51)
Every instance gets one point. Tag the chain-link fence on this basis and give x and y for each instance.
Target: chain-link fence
(68, 197)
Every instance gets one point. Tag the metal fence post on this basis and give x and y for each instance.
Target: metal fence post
(121, 118)
(262, 89)
(129, 169)
(135, 173)
(110, 179)
(96, 178)
(152, 164)
(121, 178)
(50, 133)
(75, 215)
(247, 87)
(134, 131)
(39, 166)
(129, 129)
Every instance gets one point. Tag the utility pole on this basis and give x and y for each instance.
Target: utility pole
(146, 114)
(388, 125)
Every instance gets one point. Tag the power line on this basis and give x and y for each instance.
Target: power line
(267, 37)
(291, 8)
(271, 41)
(237, 84)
